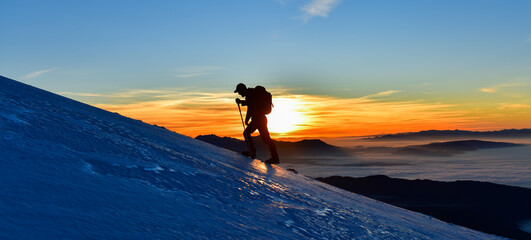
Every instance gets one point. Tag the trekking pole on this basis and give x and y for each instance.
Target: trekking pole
(243, 124)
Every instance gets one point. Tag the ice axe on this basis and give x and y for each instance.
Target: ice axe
(243, 124)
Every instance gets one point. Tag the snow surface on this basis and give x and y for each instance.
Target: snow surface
(70, 170)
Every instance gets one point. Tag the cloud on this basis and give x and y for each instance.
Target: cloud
(334, 117)
(82, 94)
(496, 88)
(192, 113)
(513, 106)
(135, 96)
(195, 71)
(319, 8)
(130, 95)
(38, 73)
(380, 94)
(186, 112)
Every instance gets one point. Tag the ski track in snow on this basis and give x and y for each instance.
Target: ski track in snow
(69, 170)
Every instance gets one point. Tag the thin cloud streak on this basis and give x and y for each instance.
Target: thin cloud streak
(74, 94)
(504, 106)
(319, 8)
(196, 71)
(38, 73)
(380, 94)
(496, 88)
(140, 95)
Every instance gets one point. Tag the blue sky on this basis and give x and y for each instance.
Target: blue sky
(438, 51)
(350, 43)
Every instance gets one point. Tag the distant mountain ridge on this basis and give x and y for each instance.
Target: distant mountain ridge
(317, 148)
(441, 134)
(314, 147)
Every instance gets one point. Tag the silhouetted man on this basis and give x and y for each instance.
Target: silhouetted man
(258, 102)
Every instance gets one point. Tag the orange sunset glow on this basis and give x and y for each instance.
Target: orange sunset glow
(296, 116)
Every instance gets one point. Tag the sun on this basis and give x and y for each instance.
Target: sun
(286, 116)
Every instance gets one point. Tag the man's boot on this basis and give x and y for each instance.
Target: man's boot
(273, 160)
(248, 154)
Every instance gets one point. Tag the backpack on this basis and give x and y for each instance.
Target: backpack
(264, 100)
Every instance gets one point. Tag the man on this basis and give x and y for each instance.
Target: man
(258, 102)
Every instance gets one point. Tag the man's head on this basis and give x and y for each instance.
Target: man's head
(241, 89)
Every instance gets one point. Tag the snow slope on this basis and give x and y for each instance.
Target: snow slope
(70, 170)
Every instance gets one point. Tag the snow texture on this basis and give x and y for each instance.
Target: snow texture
(69, 170)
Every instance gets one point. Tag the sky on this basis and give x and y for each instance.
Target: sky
(335, 68)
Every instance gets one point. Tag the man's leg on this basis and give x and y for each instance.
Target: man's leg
(264, 134)
(247, 135)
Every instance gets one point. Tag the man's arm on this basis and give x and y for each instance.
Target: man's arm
(247, 115)
(242, 102)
